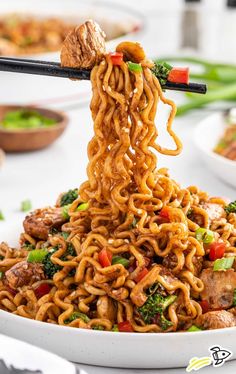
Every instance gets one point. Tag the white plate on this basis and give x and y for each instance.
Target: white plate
(49, 91)
(29, 359)
(206, 136)
(127, 350)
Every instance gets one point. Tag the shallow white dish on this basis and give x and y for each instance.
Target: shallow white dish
(206, 136)
(49, 91)
(29, 359)
(127, 350)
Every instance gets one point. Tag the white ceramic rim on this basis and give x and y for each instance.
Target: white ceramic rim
(79, 331)
(199, 130)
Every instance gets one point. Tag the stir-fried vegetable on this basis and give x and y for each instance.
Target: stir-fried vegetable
(26, 205)
(155, 305)
(204, 235)
(65, 211)
(179, 75)
(48, 266)
(194, 328)
(205, 306)
(76, 315)
(231, 208)
(25, 119)
(220, 79)
(141, 275)
(82, 207)
(223, 263)
(217, 250)
(116, 58)
(68, 197)
(105, 257)
(42, 289)
(135, 68)
(125, 326)
(234, 299)
(120, 260)
(37, 255)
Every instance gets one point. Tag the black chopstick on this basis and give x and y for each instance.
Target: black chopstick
(54, 69)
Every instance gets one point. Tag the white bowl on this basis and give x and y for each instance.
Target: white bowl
(25, 357)
(127, 350)
(206, 136)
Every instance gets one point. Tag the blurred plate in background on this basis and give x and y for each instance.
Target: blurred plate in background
(49, 91)
(206, 136)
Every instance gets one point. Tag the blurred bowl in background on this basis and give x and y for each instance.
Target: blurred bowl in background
(63, 93)
(206, 136)
(26, 140)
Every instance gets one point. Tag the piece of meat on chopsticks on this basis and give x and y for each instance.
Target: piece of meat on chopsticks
(84, 46)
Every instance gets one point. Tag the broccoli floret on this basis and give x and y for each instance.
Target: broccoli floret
(70, 250)
(68, 197)
(98, 327)
(161, 71)
(49, 267)
(231, 208)
(76, 315)
(156, 304)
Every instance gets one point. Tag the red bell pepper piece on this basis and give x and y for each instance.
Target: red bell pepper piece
(116, 58)
(42, 289)
(105, 257)
(179, 75)
(141, 275)
(125, 326)
(205, 306)
(217, 250)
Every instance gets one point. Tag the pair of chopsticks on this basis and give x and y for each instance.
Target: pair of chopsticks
(54, 69)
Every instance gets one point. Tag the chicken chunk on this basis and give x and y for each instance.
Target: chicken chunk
(84, 46)
(217, 319)
(39, 223)
(24, 273)
(106, 308)
(218, 287)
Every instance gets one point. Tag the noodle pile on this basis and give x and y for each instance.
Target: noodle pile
(125, 193)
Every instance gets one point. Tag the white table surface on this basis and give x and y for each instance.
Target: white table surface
(41, 176)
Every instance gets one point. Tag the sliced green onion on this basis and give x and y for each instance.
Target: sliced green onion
(115, 328)
(120, 260)
(1, 274)
(64, 211)
(194, 328)
(26, 205)
(98, 327)
(37, 255)
(76, 315)
(136, 68)
(2, 218)
(82, 207)
(204, 235)
(223, 263)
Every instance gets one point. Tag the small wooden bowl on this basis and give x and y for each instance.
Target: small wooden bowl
(31, 139)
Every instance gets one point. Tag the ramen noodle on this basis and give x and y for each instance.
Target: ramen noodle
(130, 250)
